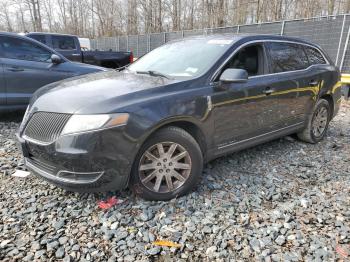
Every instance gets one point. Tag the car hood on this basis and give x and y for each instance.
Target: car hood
(87, 93)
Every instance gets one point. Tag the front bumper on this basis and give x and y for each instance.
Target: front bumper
(86, 162)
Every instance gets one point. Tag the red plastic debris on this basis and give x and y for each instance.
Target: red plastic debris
(341, 252)
(112, 201)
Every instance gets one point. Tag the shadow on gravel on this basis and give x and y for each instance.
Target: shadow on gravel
(15, 116)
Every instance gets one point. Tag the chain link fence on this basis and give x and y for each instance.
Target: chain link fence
(330, 32)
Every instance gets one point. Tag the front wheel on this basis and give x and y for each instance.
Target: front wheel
(317, 125)
(168, 165)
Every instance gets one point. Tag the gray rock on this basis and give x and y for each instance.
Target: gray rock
(280, 240)
(59, 252)
(255, 244)
(59, 224)
(210, 251)
(153, 251)
(52, 246)
(63, 240)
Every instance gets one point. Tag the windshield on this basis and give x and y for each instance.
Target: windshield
(187, 58)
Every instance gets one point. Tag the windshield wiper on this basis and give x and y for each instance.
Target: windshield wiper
(153, 73)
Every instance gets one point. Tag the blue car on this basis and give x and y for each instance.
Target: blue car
(26, 65)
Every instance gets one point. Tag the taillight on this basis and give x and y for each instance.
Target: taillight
(131, 58)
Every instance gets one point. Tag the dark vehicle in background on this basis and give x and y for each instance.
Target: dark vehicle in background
(154, 124)
(69, 46)
(26, 65)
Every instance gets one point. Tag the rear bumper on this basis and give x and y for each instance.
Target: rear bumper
(87, 162)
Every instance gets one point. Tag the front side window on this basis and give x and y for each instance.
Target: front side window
(315, 57)
(17, 48)
(286, 57)
(63, 42)
(187, 58)
(250, 58)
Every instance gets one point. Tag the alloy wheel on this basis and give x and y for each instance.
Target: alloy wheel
(164, 167)
(320, 120)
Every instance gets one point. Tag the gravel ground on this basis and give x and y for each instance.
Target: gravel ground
(281, 201)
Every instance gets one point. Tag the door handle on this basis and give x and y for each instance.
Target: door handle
(313, 83)
(15, 69)
(268, 91)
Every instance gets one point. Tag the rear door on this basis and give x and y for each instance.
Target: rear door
(27, 67)
(67, 46)
(319, 75)
(291, 86)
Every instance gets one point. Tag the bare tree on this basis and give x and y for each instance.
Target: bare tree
(114, 17)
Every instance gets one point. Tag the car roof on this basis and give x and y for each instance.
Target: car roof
(250, 37)
(10, 34)
(46, 33)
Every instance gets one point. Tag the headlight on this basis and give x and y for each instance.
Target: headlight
(81, 123)
(24, 120)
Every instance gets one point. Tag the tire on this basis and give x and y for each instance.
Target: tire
(157, 161)
(310, 133)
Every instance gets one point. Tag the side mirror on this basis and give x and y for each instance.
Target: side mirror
(233, 75)
(55, 59)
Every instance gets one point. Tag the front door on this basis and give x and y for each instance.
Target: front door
(239, 108)
(27, 67)
(2, 85)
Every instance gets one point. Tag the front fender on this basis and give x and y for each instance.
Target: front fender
(149, 118)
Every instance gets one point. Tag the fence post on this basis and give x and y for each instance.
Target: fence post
(164, 37)
(183, 34)
(137, 47)
(118, 43)
(127, 43)
(282, 29)
(340, 40)
(345, 49)
(149, 42)
(238, 27)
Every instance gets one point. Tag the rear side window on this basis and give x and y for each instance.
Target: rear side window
(17, 48)
(40, 38)
(63, 42)
(286, 57)
(315, 56)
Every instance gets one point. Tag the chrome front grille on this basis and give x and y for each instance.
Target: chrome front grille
(45, 127)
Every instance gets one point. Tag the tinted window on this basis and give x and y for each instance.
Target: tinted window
(40, 38)
(287, 57)
(315, 57)
(16, 48)
(63, 42)
(249, 58)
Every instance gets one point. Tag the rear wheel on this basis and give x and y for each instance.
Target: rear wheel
(318, 124)
(169, 164)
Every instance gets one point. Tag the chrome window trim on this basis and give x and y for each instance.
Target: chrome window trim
(264, 41)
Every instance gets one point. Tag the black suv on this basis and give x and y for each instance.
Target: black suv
(154, 124)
